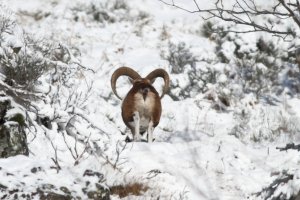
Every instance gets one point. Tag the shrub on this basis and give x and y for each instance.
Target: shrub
(192, 77)
(284, 186)
(207, 29)
(266, 124)
(7, 23)
(21, 60)
(103, 11)
(23, 70)
(119, 4)
(256, 66)
(179, 56)
(24, 67)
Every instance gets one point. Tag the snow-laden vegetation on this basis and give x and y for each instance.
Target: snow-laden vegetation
(232, 107)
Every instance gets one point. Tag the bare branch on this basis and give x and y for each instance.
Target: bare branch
(243, 8)
(73, 59)
(55, 158)
(119, 152)
(184, 9)
(295, 18)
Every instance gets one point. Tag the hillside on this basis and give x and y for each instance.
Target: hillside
(233, 100)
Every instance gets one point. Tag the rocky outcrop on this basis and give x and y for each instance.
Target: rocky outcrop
(12, 130)
(92, 187)
(99, 192)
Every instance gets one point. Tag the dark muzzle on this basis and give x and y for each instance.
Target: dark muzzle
(145, 92)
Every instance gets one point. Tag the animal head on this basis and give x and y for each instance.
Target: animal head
(139, 84)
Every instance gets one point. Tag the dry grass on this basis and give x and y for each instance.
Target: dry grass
(129, 189)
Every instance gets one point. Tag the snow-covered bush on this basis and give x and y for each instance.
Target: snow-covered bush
(216, 80)
(179, 56)
(25, 67)
(260, 68)
(191, 77)
(254, 65)
(251, 76)
(182, 63)
(286, 186)
(260, 123)
(207, 29)
(257, 65)
(7, 22)
(24, 58)
(102, 11)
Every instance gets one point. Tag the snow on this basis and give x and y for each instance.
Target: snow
(228, 49)
(195, 154)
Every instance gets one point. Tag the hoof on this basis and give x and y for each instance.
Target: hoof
(127, 139)
(152, 140)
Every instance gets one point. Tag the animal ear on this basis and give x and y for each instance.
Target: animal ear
(130, 80)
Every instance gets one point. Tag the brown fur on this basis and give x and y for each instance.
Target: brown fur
(142, 104)
(149, 108)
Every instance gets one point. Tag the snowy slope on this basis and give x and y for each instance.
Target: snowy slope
(195, 155)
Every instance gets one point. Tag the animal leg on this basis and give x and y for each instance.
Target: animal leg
(150, 132)
(136, 120)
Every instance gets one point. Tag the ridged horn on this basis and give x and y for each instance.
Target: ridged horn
(122, 71)
(162, 74)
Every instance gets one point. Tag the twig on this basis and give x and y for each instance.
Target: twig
(73, 59)
(118, 152)
(248, 8)
(270, 190)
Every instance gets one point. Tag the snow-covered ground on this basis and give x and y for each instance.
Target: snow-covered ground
(195, 154)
